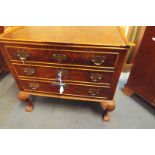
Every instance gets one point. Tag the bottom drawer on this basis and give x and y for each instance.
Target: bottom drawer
(69, 89)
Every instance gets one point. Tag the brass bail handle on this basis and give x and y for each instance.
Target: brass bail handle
(60, 57)
(98, 60)
(23, 55)
(93, 91)
(95, 77)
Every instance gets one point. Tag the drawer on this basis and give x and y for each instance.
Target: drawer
(70, 89)
(68, 74)
(64, 57)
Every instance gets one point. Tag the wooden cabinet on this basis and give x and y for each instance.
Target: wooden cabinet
(81, 63)
(142, 77)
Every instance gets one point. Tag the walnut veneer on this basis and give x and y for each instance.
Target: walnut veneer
(90, 60)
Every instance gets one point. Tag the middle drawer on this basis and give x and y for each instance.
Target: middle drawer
(68, 74)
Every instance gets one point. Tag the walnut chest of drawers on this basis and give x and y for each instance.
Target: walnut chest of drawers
(70, 62)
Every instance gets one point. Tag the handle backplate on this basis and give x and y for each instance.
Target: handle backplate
(93, 91)
(22, 54)
(29, 71)
(98, 60)
(95, 77)
(59, 57)
(34, 86)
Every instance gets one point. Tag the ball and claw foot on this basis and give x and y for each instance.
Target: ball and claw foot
(106, 117)
(107, 106)
(25, 97)
(29, 106)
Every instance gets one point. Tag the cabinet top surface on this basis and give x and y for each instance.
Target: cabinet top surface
(89, 35)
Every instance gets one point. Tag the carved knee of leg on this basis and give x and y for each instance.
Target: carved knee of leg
(109, 105)
(23, 96)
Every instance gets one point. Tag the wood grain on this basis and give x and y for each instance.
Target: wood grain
(93, 35)
(81, 51)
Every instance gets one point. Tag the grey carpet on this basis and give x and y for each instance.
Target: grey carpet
(130, 112)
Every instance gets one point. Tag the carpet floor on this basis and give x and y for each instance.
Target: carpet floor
(49, 113)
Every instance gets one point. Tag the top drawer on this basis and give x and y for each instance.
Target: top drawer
(64, 57)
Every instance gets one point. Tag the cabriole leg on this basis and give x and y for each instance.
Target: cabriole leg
(107, 106)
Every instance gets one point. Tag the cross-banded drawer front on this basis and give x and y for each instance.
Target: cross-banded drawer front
(68, 74)
(78, 58)
(69, 89)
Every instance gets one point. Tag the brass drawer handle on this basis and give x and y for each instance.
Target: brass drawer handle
(29, 71)
(98, 60)
(93, 91)
(34, 86)
(95, 77)
(22, 54)
(59, 57)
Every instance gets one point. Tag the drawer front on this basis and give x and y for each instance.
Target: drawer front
(68, 74)
(70, 89)
(93, 59)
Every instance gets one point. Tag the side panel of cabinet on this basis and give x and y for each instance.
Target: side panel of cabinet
(142, 76)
